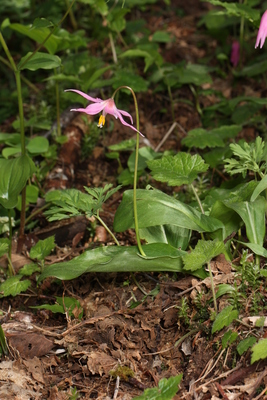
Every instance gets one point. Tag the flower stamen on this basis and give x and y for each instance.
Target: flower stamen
(101, 121)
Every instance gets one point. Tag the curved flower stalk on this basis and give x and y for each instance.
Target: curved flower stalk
(262, 31)
(104, 106)
(109, 107)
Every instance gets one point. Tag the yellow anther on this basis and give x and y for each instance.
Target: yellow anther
(101, 121)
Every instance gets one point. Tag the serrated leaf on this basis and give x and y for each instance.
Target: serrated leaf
(259, 351)
(201, 138)
(13, 286)
(224, 318)
(204, 251)
(228, 338)
(166, 390)
(3, 248)
(39, 61)
(177, 170)
(43, 248)
(238, 10)
(245, 344)
(29, 269)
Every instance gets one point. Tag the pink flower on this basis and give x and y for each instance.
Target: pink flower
(262, 31)
(235, 53)
(106, 106)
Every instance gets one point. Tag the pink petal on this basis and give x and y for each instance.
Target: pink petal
(262, 33)
(126, 123)
(94, 100)
(92, 109)
(126, 114)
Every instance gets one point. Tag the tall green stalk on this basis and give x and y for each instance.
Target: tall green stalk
(135, 169)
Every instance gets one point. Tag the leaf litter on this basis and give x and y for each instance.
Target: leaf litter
(121, 328)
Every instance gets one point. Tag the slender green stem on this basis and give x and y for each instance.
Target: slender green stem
(107, 229)
(113, 49)
(180, 341)
(135, 170)
(10, 266)
(48, 36)
(36, 213)
(138, 285)
(197, 198)
(72, 17)
(171, 100)
(57, 106)
(212, 288)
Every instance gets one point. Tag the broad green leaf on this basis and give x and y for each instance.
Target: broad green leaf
(37, 34)
(13, 286)
(256, 248)
(230, 219)
(171, 234)
(245, 344)
(201, 138)
(177, 170)
(159, 257)
(38, 145)
(11, 151)
(259, 351)
(204, 251)
(224, 318)
(41, 23)
(43, 248)
(39, 61)
(157, 208)
(14, 175)
(253, 216)
(166, 390)
(261, 186)
(10, 138)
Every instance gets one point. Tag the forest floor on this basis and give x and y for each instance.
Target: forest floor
(51, 354)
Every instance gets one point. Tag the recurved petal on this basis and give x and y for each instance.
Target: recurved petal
(126, 123)
(94, 100)
(126, 114)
